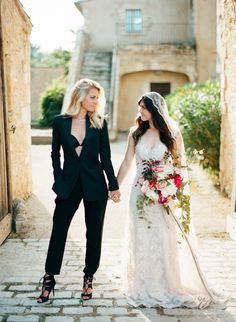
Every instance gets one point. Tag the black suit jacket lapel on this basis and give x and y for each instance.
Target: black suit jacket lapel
(87, 132)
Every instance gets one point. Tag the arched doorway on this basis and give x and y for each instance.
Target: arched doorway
(133, 85)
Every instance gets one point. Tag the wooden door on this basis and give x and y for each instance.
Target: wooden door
(161, 88)
(5, 216)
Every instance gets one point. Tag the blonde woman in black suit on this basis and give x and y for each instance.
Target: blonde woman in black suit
(83, 136)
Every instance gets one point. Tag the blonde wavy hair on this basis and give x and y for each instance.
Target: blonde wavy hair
(78, 94)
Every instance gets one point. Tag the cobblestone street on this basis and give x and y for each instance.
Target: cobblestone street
(19, 286)
(22, 258)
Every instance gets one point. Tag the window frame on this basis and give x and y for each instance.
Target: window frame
(130, 25)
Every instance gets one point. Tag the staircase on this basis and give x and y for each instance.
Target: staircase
(97, 66)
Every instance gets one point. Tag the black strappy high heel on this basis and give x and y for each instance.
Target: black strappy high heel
(48, 285)
(87, 284)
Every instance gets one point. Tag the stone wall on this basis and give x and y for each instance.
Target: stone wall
(158, 48)
(138, 67)
(75, 65)
(133, 85)
(41, 77)
(171, 58)
(102, 32)
(227, 52)
(205, 33)
(16, 28)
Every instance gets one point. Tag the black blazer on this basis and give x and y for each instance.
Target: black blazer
(94, 159)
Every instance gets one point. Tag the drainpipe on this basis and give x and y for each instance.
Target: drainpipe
(113, 94)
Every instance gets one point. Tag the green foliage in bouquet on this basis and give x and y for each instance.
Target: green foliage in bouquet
(196, 108)
(184, 204)
(142, 201)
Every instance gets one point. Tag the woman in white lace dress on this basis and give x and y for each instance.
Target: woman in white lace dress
(162, 266)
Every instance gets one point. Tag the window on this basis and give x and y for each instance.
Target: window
(161, 88)
(133, 20)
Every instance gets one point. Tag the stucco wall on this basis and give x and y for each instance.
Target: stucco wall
(227, 52)
(166, 58)
(205, 33)
(137, 69)
(16, 49)
(41, 77)
(102, 16)
(147, 53)
(133, 85)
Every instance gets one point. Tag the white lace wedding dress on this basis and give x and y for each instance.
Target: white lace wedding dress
(161, 270)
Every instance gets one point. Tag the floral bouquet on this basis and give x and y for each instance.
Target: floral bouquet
(161, 183)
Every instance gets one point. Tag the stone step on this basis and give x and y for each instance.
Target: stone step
(97, 66)
(101, 74)
(101, 54)
(89, 69)
(41, 136)
(97, 61)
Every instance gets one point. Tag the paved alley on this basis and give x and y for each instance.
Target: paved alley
(22, 259)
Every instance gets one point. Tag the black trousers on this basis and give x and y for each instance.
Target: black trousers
(63, 214)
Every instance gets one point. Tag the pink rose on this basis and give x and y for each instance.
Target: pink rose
(158, 168)
(145, 186)
(161, 184)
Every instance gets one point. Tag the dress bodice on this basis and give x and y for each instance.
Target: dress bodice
(145, 152)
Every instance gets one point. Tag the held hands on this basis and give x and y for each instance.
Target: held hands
(114, 195)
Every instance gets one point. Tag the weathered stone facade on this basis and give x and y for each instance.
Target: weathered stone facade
(16, 51)
(227, 53)
(179, 59)
(162, 16)
(153, 64)
(171, 47)
(41, 77)
(15, 104)
(205, 33)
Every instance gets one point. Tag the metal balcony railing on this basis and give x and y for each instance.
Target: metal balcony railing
(157, 33)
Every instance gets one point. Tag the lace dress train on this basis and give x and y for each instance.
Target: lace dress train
(162, 265)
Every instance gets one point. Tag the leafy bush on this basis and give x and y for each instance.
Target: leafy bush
(51, 102)
(196, 107)
(56, 58)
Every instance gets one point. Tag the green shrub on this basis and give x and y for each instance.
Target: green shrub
(196, 107)
(51, 102)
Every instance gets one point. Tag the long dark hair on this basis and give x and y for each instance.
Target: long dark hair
(158, 122)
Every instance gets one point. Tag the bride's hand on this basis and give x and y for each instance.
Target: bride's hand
(114, 195)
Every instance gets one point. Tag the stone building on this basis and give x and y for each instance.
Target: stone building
(15, 139)
(40, 79)
(135, 46)
(227, 52)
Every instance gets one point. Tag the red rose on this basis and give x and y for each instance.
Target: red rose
(178, 180)
(162, 199)
(152, 183)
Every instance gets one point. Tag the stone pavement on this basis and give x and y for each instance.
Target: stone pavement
(22, 259)
(22, 266)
